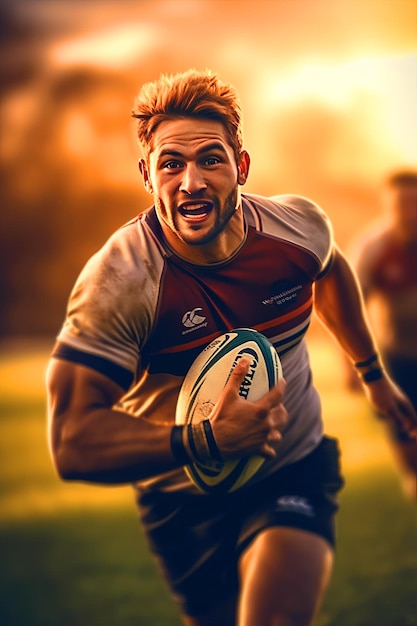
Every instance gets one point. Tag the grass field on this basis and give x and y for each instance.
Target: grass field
(74, 555)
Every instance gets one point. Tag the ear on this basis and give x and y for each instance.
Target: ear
(243, 167)
(143, 168)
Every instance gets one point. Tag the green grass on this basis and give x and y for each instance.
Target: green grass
(375, 576)
(74, 554)
(83, 568)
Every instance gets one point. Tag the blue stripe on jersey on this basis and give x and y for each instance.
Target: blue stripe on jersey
(116, 373)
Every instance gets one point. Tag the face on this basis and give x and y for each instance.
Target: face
(193, 176)
(401, 201)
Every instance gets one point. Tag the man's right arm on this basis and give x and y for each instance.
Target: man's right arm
(91, 440)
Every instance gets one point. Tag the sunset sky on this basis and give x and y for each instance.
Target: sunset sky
(329, 93)
(352, 63)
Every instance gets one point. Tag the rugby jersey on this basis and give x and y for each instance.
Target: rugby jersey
(140, 314)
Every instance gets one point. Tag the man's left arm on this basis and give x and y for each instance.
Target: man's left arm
(340, 307)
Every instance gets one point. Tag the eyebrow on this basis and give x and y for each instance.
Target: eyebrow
(215, 145)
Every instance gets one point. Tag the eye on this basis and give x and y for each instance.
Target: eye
(212, 161)
(172, 165)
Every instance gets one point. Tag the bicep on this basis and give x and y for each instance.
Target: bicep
(337, 294)
(73, 391)
(339, 305)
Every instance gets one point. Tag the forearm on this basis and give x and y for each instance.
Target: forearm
(108, 446)
(340, 307)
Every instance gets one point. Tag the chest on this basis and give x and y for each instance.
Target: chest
(268, 286)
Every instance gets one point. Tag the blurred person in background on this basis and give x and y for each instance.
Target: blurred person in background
(261, 555)
(385, 259)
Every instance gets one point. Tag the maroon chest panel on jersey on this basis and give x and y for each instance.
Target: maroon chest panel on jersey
(396, 269)
(267, 286)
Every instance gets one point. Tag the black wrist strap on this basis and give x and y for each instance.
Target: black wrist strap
(214, 450)
(177, 445)
(372, 359)
(375, 374)
(194, 443)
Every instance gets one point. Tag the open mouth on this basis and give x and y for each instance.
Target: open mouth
(195, 210)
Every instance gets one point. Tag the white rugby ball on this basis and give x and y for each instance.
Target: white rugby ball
(202, 386)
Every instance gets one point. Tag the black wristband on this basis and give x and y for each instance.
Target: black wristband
(197, 458)
(375, 374)
(177, 445)
(214, 450)
(372, 359)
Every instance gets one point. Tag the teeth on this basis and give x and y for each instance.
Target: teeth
(195, 210)
(193, 207)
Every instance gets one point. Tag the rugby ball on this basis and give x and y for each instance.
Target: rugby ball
(202, 386)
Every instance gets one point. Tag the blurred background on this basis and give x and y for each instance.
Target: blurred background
(329, 92)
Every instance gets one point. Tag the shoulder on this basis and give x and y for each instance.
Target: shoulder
(112, 304)
(291, 208)
(296, 219)
(131, 252)
(303, 209)
(120, 282)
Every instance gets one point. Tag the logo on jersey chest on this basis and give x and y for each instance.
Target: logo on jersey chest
(285, 294)
(193, 320)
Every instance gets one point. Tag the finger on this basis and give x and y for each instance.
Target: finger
(275, 395)
(268, 451)
(274, 436)
(236, 377)
(279, 416)
(238, 373)
(404, 416)
(411, 425)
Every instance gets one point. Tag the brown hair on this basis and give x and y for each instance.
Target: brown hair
(196, 94)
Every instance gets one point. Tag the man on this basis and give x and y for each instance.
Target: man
(261, 555)
(385, 258)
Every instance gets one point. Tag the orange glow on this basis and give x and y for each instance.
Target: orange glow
(78, 135)
(329, 94)
(111, 48)
(374, 98)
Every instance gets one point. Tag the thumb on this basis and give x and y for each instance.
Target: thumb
(237, 375)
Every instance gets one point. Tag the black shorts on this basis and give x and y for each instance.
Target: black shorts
(197, 539)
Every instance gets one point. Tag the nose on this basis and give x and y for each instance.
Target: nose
(193, 180)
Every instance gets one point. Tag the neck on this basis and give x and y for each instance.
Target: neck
(222, 247)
